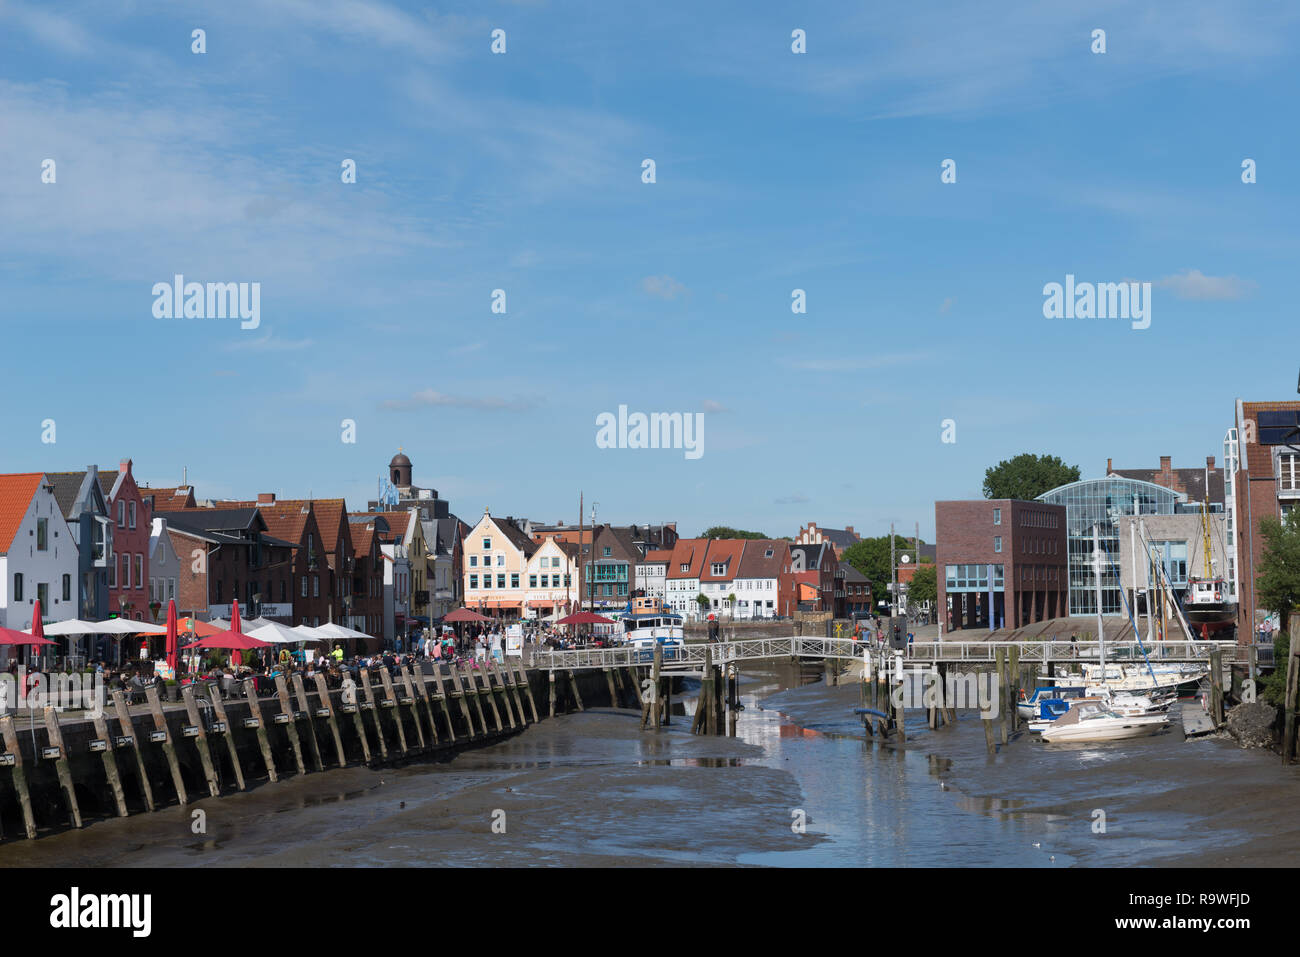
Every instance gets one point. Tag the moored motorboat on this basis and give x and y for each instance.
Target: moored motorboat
(1089, 722)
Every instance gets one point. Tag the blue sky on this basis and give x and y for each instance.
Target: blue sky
(522, 172)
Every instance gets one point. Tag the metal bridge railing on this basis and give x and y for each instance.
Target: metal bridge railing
(691, 656)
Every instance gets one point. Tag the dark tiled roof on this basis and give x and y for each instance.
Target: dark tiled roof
(516, 537)
(755, 562)
(1190, 481)
(813, 554)
(67, 489)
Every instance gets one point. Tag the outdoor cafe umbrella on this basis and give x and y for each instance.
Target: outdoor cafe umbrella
(228, 641)
(586, 618)
(171, 634)
(9, 636)
(465, 614)
(236, 658)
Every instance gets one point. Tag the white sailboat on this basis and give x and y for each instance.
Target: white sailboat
(1097, 719)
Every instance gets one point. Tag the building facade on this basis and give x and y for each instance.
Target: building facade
(128, 576)
(38, 557)
(1002, 563)
(1102, 503)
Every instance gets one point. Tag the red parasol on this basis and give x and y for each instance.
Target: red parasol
(229, 641)
(171, 634)
(464, 614)
(236, 659)
(10, 637)
(586, 618)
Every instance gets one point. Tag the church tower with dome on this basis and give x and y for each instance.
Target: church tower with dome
(398, 491)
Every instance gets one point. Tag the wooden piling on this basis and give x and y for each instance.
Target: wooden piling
(110, 764)
(219, 710)
(900, 713)
(609, 679)
(471, 694)
(656, 679)
(18, 774)
(323, 696)
(1288, 735)
(577, 695)
(169, 749)
(440, 698)
(126, 728)
(1013, 695)
(55, 740)
(390, 704)
(487, 691)
(290, 725)
(372, 707)
(510, 685)
(200, 740)
(733, 700)
(255, 712)
(528, 689)
(410, 701)
(416, 679)
(989, 734)
(464, 701)
(1001, 665)
(309, 720)
(350, 704)
(1216, 688)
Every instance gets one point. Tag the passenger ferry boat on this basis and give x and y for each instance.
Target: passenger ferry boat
(650, 622)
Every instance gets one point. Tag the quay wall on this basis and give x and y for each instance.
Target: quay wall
(471, 719)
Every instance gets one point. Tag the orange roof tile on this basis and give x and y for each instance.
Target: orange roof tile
(16, 493)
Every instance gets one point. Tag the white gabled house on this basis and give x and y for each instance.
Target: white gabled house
(38, 554)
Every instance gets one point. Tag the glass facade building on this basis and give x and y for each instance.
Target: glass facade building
(1101, 503)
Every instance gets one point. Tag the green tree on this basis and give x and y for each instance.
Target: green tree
(1277, 588)
(871, 557)
(703, 601)
(1027, 476)
(924, 585)
(726, 531)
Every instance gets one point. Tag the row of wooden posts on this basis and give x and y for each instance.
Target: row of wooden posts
(1000, 725)
(502, 688)
(652, 695)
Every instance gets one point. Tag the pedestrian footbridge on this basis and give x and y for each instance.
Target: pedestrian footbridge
(692, 657)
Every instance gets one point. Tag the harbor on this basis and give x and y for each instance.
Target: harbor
(591, 788)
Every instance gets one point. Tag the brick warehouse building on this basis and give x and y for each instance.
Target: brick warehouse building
(1000, 555)
(1262, 481)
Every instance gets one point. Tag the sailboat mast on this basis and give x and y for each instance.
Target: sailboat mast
(1101, 633)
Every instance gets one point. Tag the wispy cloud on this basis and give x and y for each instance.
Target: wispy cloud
(861, 362)
(798, 498)
(711, 405)
(1194, 284)
(663, 287)
(267, 343)
(429, 397)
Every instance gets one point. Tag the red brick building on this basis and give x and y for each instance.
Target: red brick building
(128, 571)
(1264, 482)
(228, 554)
(1002, 563)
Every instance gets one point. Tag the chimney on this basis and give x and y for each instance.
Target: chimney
(1165, 463)
(850, 530)
(265, 498)
(1209, 462)
(1110, 467)
(124, 466)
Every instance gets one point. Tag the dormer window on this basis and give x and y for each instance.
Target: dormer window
(719, 568)
(685, 567)
(768, 553)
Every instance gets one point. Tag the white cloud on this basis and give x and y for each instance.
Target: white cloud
(429, 397)
(798, 498)
(1194, 284)
(664, 287)
(711, 405)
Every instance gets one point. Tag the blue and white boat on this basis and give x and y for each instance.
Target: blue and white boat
(648, 625)
(1029, 706)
